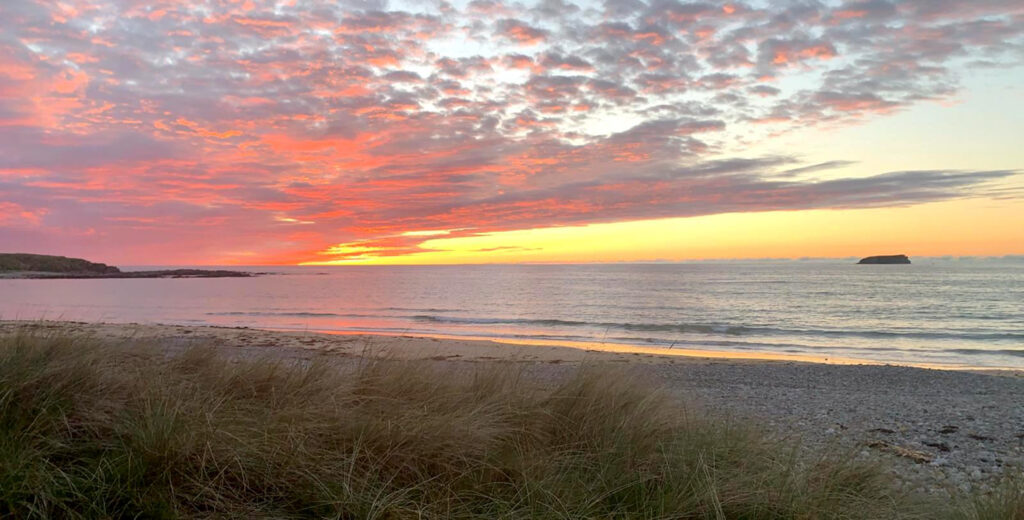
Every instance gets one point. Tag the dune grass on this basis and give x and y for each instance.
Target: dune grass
(90, 429)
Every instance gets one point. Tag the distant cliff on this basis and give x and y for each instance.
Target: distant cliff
(51, 264)
(23, 265)
(885, 259)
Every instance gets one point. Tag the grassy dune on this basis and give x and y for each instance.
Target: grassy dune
(96, 430)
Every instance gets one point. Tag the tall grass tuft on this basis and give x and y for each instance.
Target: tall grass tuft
(90, 429)
(1006, 503)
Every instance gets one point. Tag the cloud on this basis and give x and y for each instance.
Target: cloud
(218, 128)
(814, 168)
(777, 53)
(29, 148)
(520, 32)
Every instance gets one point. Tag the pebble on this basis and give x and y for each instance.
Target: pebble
(969, 425)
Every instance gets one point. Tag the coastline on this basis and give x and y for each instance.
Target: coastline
(942, 430)
(125, 275)
(411, 346)
(417, 345)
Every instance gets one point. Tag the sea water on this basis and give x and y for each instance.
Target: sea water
(933, 312)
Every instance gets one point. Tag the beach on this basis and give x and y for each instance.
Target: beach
(914, 315)
(939, 430)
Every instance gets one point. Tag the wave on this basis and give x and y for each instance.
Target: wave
(729, 330)
(998, 352)
(703, 329)
(290, 314)
(547, 322)
(407, 309)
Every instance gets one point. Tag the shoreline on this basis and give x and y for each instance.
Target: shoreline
(658, 353)
(408, 345)
(672, 353)
(405, 346)
(942, 430)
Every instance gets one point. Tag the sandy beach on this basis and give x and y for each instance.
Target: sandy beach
(943, 429)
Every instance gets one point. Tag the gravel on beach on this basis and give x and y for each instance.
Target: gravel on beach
(943, 430)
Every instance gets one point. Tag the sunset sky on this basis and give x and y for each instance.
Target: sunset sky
(361, 131)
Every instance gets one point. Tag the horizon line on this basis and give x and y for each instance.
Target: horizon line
(946, 258)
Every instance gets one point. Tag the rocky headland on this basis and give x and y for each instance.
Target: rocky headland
(24, 265)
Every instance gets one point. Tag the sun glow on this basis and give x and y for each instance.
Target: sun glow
(318, 131)
(956, 228)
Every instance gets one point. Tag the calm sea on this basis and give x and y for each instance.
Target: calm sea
(932, 312)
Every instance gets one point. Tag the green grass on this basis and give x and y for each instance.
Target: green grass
(95, 430)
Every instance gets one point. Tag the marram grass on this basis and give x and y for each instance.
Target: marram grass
(90, 429)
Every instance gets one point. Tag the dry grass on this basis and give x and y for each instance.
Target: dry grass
(1007, 503)
(94, 430)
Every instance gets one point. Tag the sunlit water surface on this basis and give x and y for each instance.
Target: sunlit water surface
(967, 313)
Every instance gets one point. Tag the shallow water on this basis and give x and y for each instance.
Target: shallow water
(968, 313)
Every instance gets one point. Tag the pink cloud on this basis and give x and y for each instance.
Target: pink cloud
(520, 32)
(197, 135)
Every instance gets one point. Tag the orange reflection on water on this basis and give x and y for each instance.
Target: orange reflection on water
(705, 354)
(621, 348)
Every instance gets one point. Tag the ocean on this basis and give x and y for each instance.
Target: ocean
(967, 313)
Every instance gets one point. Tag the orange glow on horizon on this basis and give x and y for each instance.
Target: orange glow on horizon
(957, 228)
(291, 132)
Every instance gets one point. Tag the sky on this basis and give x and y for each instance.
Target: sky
(371, 131)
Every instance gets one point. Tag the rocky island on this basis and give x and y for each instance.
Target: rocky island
(23, 265)
(885, 259)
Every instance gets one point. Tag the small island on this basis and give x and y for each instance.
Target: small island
(885, 259)
(24, 265)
